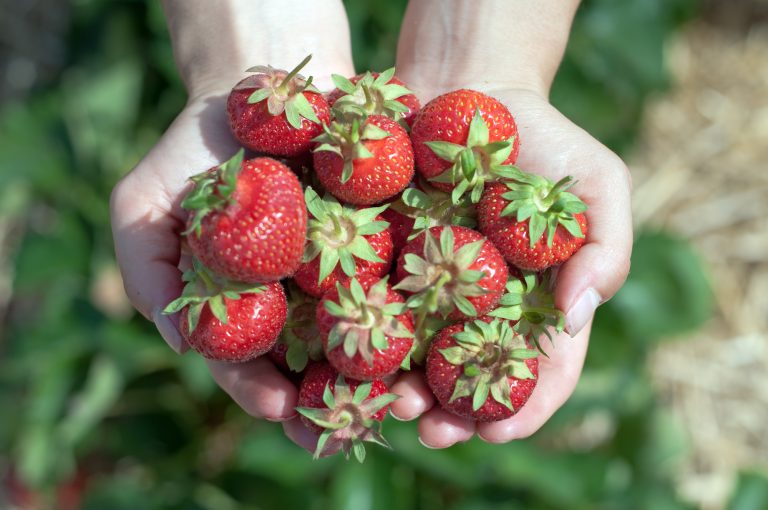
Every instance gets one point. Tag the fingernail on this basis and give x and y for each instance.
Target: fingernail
(393, 415)
(169, 332)
(580, 313)
(425, 445)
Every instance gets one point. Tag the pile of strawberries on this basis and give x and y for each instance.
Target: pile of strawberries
(369, 235)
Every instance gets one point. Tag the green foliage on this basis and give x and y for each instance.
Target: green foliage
(92, 392)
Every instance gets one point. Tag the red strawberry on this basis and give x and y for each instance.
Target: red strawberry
(366, 328)
(516, 215)
(374, 93)
(343, 412)
(463, 139)
(453, 271)
(300, 340)
(342, 242)
(229, 321)
(247, 220)
(481, 369)
(277, 112)
(364, 161)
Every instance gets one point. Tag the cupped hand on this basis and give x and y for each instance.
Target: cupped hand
(552, 146)
(147, 220)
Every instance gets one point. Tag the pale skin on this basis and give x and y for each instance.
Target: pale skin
(508, 48)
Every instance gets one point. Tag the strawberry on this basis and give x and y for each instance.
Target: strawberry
(400, 227)
(277, 112)
(366, 328)
(453, 271)
(226, 320)
(463, 139)
(515, 215)
(375, 94)
(364, 160)
(481, 369)
(247, 220)
(299, 342)
(344, 412)
(342, 242)
(529, 304)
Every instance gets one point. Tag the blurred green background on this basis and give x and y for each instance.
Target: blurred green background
(98, 413)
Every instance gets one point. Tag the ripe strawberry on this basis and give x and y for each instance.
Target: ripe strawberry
(366, 328)
(529, 304)
(277, 112)
(342, 242)
(226, 320)
(299, 342)
(463, 139)
(481, 369)
(453, 271)
(375, 94)
(344, 412)
(247, 220)
(515, 215)
(363, 160)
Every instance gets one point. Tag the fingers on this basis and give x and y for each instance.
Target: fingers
(258, 387)
(415, 396)
(558, 376)
(147, 251)
(597, 271)
(441, 429)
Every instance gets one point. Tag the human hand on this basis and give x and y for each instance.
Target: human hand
(146, 214)
(552, 146)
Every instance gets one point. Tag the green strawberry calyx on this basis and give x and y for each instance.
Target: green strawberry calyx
(283, 91)
(346, 137)
(372, 95)
(489, 353)
(545, 204)
(441, 281)
(364, 321)
(213, 190)
(430, 207)
(300, 333)
(337, 234)
(348, 418)
(204, 288)
(530, 302)
(475, 163)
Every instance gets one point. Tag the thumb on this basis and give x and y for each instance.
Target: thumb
(597, 271)
(148, 250)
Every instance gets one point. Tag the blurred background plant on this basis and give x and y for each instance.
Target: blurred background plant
(98, 414)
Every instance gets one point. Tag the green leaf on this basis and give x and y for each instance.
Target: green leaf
(347, 262)
(417, 199)
(478, 131)
(445, 150)
(302, 106)
(480, 395)
(361, 249)
(464, 305)
(328, 260)
(259, 95)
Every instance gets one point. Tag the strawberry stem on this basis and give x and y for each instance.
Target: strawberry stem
(210, 285)
(283, 87)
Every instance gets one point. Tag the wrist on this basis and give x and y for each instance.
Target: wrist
(517, 44)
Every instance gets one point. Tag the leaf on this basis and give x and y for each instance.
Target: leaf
(328, 260)
(415, 198)
(445, 150)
